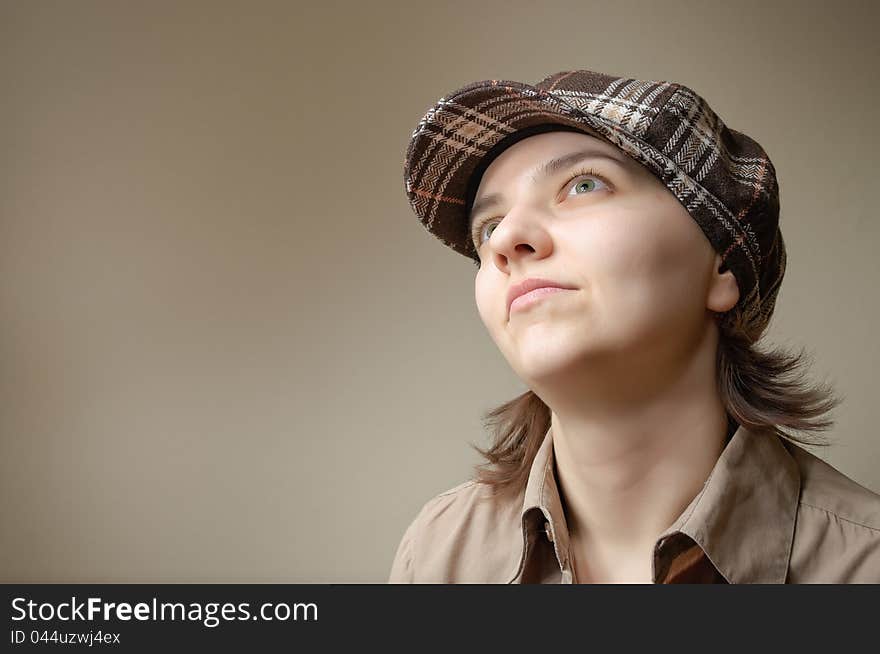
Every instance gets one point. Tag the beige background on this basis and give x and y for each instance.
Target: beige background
(229, 350)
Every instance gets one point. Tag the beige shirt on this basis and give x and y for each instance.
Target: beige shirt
(770, 512)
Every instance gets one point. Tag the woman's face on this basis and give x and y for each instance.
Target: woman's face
(639, 265)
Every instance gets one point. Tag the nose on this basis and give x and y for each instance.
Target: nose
(521, 233)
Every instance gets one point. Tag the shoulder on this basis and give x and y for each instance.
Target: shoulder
(461, 535)
(827, 489)
(837, 532)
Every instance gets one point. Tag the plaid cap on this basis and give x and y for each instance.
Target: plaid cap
(723, 178)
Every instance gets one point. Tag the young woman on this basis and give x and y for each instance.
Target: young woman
(629, 257)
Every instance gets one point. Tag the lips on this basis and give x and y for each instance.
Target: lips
(531, 284)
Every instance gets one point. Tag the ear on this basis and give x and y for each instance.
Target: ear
(723, 292)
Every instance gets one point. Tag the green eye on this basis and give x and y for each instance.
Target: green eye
(587, 184)
(480, 229)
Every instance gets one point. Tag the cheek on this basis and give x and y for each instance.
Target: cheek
(486, 298)
(618, 252)
(643, 262)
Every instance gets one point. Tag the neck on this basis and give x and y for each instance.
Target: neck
(628, 463)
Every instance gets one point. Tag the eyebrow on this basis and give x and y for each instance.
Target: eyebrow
(545, 170)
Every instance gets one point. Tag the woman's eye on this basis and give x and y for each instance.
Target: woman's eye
(583, 186)
(481, 231)
(489, 227)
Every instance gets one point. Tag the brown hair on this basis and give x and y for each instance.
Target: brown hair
(759, 389)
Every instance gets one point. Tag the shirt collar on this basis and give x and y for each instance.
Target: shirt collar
(743, 518)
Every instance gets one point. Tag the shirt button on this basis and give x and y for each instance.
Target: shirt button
(548, 532)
